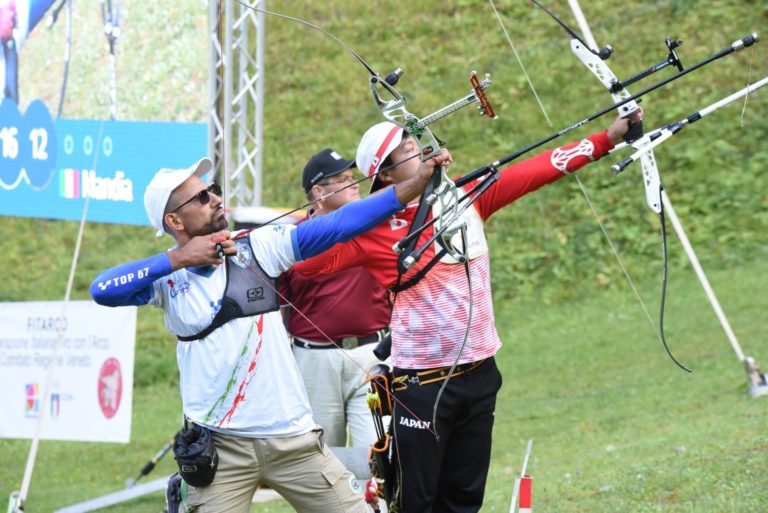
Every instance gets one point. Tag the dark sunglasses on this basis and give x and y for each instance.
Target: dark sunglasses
(203, 196)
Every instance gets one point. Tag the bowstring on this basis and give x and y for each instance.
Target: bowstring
(581, 185)
(468, 271)
(749, 82)
(325, 335)
(372, 72)
(330, 194)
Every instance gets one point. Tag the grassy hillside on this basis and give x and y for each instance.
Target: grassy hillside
(616, 426)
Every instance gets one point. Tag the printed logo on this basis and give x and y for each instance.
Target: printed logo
(397, 224)
(215, 307)
(374, 165)
(110, 387)
(256, 294)
(243, 256)
(77, 183)
(32, 401)
(174, 288)
(560, 158)
(418, 424)
(354, 484)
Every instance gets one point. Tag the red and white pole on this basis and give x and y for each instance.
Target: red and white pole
(521, 493)
(524, 505)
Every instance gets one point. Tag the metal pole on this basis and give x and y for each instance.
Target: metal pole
(700, 274)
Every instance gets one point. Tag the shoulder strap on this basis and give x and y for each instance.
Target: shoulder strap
(418, 220)
(248, 291)
(416, 278)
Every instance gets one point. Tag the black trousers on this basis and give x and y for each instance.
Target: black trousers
(446, 476)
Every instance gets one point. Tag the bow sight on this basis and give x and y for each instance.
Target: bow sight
(394, 109)
(671, 60)
(440, 187)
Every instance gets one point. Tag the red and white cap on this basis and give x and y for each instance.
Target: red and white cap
(377, 143)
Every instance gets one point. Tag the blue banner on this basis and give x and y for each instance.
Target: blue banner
(49, 168)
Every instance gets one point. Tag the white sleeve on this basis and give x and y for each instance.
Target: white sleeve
(156, 298)
(273, 248)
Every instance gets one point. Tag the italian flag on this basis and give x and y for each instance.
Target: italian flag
(69, 183)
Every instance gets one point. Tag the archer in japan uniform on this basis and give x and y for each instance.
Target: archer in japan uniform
(431, 319)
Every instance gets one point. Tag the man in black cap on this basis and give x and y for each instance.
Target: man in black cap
(345, 309)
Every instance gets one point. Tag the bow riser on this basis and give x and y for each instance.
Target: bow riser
(448, 222)
(395, 112)
(651, 179)
(604, 75)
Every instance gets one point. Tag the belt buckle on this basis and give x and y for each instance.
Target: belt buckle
(349, 342)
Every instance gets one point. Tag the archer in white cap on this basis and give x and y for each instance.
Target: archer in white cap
(238, 377)
(431, 321)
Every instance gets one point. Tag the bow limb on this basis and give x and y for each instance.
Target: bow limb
(654, 195)
(604, 74)
(590, 58)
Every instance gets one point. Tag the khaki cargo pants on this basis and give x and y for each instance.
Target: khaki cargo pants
(301, 469)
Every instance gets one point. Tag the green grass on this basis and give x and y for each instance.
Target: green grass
(616, 426)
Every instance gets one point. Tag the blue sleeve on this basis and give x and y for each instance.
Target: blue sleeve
(312, 237)
(130, 283)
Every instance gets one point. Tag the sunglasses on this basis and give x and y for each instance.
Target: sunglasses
(203, 196)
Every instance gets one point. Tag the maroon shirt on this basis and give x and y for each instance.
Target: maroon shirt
(348, 303)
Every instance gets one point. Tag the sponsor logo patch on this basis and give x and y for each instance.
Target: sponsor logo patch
(243, 256)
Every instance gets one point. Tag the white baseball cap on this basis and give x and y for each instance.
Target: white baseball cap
(162, 185)
(377, 143)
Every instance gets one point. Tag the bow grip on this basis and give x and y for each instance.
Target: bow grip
(635, 131)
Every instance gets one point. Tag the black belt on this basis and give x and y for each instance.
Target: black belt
(346, 343)
(404, 377)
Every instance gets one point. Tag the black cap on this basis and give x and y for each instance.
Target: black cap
(324, 164)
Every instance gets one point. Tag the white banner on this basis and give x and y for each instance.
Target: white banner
(91, 393)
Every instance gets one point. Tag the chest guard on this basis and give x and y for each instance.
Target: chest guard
(476, 241)
(249, 290)
(477, 245)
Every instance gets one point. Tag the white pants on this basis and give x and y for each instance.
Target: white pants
(337, 389)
